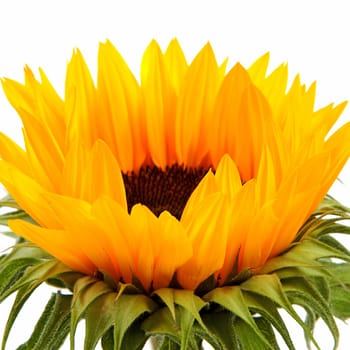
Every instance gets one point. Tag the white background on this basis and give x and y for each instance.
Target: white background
(313, 36)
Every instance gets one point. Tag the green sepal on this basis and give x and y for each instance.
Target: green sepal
(86, 290)
(53, 325)
(301, 292)
(9, 202)
(268, 310)
(231, 298)
(134, 338)
(185, 298)
(221, 334)
(247, 342)
(162, 324)
(107, 340)
(270, 287)
(14, 215)
(11, 272)
(340, 290)
(99, 318)
(172, 333)
(127, 309)
(165, 343)
(36, 275)
(189, 311)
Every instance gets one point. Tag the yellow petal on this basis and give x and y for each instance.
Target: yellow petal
(159, 98)
(58, 243)
(120, 122)
(102, 176)
(80, 101)
(194, 114)
(209, 218)
(176, 64)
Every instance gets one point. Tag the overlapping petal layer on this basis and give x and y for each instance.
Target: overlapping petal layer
(268, 157)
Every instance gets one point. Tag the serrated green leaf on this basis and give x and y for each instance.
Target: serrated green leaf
(53, 325)
(86, 291)
(231, 298)
(127, 309)
(99, 318)
(22, 296)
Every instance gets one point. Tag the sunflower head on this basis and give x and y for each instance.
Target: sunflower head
(179, 192)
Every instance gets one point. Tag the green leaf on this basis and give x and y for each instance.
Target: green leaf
(231, 298)
(161, 322)
(341, 273)
(168, 297)
(221, 331)
(53, 325)
(134, 338)
(268, 331)
(14, 215)
(99, 318)
(190, 302)
(107, 341)
(301, 292)
(186, 324)
(313, 249)
(25, 251)
(22, 296)
(247, 340)
(185, 298)
(8, 201)
(270, 287)
(166, 344)
(340, 302)
(87, 290)
(13, 271)
(268, 310)
(127, 309)
(36, 275)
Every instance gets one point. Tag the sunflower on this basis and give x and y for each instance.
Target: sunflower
(188, 178)
(191, 173)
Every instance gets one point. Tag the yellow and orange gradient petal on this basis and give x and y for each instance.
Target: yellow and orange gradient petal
(190, 172)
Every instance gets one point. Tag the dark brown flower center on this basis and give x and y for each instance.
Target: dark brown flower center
(161, 190)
